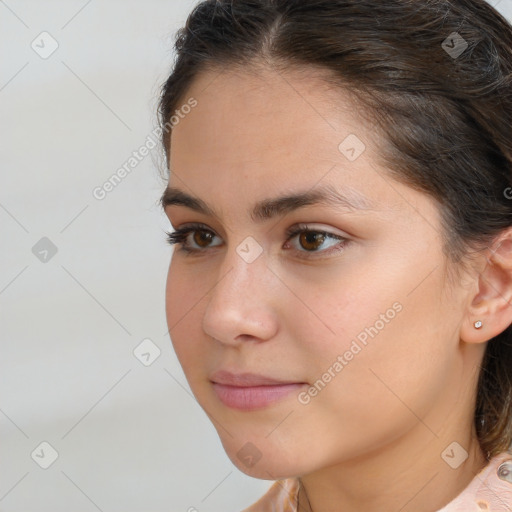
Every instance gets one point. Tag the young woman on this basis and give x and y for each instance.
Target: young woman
(340, 190)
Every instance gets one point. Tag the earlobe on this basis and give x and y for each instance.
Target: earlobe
(490, 309)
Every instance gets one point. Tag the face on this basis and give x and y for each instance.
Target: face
(351, 317)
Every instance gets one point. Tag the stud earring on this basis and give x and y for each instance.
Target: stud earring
(478, 324)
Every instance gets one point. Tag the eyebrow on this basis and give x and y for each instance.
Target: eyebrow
(279, 206)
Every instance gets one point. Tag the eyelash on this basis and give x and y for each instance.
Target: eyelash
(179, 237)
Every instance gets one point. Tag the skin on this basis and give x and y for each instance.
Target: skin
(372, 439)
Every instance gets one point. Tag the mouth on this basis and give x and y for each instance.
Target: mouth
(249, 391)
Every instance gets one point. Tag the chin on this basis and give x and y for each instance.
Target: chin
(261, 459)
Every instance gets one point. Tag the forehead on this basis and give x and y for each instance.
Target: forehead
(253, 137)
(265, 117)
(307, 92)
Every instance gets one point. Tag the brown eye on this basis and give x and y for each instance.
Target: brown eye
(314, 243)
(311, 240)
(190, 239)
(196, 239)
(202, 238)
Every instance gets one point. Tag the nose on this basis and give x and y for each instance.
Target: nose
(243, 303)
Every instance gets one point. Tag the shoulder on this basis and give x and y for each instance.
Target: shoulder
(281, 497)
(490, 490)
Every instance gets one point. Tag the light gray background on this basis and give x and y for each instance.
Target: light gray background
(129, 437)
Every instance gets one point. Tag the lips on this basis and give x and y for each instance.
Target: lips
(247, 379)
(249, 391)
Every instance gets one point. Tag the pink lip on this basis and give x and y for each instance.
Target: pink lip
(246, 379)
(248, 391)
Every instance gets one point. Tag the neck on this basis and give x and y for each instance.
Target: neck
(410, 477)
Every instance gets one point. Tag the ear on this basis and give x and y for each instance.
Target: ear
(491, 303)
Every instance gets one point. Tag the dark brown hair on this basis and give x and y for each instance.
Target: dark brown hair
(435, 76)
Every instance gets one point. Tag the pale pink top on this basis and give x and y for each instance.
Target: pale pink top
(489, 491)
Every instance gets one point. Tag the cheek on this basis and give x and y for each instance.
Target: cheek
(394, 357)
(175, 289)
(342, 310)
(392, 330)
(183, 310)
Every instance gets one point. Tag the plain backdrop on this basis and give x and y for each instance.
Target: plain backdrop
(82, 279)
